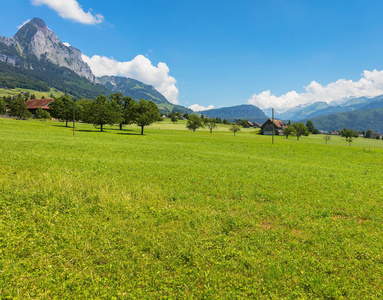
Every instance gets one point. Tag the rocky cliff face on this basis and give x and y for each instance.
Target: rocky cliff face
(35, 38)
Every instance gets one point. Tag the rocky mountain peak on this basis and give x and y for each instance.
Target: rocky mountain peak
(39, 23)
(35, 38)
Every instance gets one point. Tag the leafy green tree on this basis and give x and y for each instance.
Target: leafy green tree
(349, 140)
(210, 123)
(146, 114)
(173, 117)
(310, 126)
(194, 122)
(349, 133)
(101, 112)
(18, 109)
(235, 128)
(243, 123)
(118, 103)
(178, 115)
(218, 120)
(368, 134)
(3, 108)
(301, 130)
(226, 122)
(327, 137)
(186, 116)
(62, 108)
(42, 114)
(129, 111)
(289, 130)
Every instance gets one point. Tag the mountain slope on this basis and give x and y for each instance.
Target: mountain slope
(322, 108)
(35, 58)
(35, 40)
(358, 120)
(138, 90)
(246, 111)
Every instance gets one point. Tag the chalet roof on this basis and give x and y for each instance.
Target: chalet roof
(36, 103)
(278, 123)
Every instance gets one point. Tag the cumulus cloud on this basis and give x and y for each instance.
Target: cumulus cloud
(140, 68)
(71, 9)
(196, 107)
(369, 85)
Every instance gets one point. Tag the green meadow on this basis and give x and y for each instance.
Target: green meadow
(175, 214)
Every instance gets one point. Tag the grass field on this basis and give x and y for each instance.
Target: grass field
(176, 215)
(38, 94)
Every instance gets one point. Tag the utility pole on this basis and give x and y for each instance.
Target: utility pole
(73, 114)
(273, 125)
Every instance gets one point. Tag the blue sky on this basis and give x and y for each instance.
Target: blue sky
(276, 53)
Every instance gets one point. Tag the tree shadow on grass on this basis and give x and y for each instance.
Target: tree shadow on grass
(88, 130)
(128, 133)
(118, 129)
(61, 125)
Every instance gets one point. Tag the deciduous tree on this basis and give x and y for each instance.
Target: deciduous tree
(210, 123)
(235, 128)
(3, 108)
(42, 114)
(62, 108)
(18, 109)
(289, 130)
(194, 122)
(300, 129)
(310, 126)
(101, 112)
(146, 114)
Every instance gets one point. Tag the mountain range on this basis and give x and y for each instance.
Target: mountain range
(35, 58)
(245, 111)
(318, 109)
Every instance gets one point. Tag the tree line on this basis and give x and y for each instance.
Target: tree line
(101, 111)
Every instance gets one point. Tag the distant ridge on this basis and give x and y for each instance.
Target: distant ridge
(364, 119)
(138, 90)
(245, 111)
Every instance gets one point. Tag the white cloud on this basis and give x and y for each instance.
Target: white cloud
(140, 68)
(67, 44)
(370, 85)
(71, 9)
(196, 107)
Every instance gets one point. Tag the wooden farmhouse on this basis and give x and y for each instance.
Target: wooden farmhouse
(376, 135)
(267, 127)
(34, 104)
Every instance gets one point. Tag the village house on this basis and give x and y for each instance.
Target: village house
(267, 127)
(376, 135)
(34, 104)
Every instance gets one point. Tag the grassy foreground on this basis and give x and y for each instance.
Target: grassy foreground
(176, 214)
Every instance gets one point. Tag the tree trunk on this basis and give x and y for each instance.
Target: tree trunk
(211, 130)
(120, 126)
(101, 127)
(66, 123)
(142, 130)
